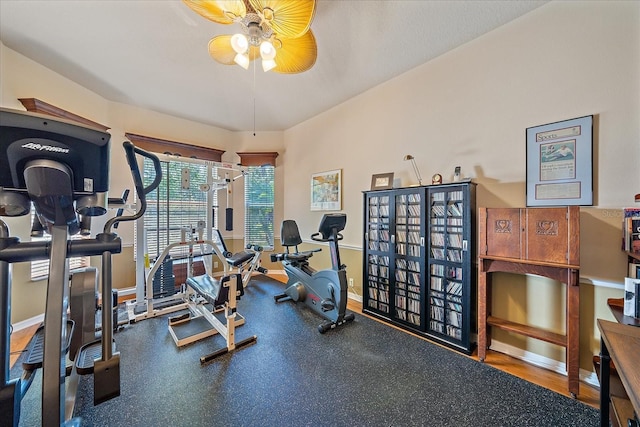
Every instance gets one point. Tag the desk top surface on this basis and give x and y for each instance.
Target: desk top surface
(623, 343)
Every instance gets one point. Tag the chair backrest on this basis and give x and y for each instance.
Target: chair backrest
(289, 234)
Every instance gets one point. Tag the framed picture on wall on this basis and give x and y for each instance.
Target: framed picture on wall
(326, 191)
(560, 163)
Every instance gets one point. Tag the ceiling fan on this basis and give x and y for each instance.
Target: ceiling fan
(278, 31)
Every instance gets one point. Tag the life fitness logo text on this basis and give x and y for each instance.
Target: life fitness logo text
(40, 147)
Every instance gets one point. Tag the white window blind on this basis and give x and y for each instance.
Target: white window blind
(259, 206)
(40, 268)
(177, 202)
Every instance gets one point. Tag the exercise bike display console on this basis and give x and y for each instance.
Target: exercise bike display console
(324, 291)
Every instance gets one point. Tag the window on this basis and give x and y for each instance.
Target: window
(178, 202)
(40, 268)
(259, 205)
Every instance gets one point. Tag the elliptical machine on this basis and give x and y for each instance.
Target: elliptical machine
(61, 168)
(324, 291)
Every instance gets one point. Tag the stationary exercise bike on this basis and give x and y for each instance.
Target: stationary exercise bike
(324, 291)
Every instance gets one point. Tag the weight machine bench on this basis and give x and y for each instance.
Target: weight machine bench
(245, 262)
(222, 295)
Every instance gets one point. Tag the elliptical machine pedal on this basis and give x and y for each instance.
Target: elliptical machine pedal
(324, 291)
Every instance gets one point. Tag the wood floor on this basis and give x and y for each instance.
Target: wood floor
(542, 377)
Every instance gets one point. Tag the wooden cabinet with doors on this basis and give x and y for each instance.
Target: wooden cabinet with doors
(539, 241)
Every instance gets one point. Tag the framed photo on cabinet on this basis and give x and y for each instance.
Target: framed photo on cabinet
(326, 191)
(560, 163)
(382, 181)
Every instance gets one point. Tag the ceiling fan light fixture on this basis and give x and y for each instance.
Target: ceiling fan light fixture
(242, 60)
(267, 51)
(239, 43)
(268, 64)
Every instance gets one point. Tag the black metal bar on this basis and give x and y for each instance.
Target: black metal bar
(605, 372)
(55, 320)
(32, 251)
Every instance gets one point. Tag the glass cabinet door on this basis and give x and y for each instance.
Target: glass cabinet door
(378, 242)
(448, 253)
(409, 250)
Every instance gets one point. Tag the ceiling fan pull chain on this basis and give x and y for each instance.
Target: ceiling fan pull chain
(254, 98)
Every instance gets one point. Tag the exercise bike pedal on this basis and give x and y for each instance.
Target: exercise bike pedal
(281, 297)
(327, 305)
(326, 326)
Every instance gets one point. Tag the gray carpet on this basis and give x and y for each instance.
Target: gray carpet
(362, 374)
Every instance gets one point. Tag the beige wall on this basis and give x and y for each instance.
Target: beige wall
(469, 107)
(24, 78)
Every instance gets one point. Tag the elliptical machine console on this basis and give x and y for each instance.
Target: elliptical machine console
(324, 291)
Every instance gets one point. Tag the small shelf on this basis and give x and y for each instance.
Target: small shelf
(634, 255)
(616, 305)
(622, 410)
(529, 331)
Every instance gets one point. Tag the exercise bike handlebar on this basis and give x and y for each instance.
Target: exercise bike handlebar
(315, 237)
(296, 256)
(130, 151)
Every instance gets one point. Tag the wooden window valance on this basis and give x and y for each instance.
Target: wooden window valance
(258, 158)
(157, 145)
(34, 105)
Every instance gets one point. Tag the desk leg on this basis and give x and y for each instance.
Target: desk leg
(605, 371)
(573, 333)
(482, 313)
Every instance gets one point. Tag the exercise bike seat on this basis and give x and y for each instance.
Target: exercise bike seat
(290, 236)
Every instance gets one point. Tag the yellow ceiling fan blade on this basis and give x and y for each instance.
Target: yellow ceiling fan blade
(287, 18)
(220, 49)
(219, 11)
(296, 55)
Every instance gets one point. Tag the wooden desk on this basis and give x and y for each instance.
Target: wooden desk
(561, 272)
(620, 344)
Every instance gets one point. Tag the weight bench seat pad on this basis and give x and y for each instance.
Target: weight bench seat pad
(213, 290)
(239, 258)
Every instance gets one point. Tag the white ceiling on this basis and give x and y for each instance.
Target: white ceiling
(153, 54)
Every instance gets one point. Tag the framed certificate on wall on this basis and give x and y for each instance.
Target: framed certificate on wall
(560, 163)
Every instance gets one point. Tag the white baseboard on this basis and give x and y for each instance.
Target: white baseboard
(354, 296)
(36, 320)
(587, 377)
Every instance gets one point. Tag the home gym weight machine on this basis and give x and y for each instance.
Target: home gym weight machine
(207, 296)
(324, 291)
(204, 295)
(61, 168)
(149, 303)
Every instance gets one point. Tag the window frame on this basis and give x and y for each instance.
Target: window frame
(266, 206)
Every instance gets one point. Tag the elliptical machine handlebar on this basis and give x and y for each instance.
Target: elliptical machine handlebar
(130, 151)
